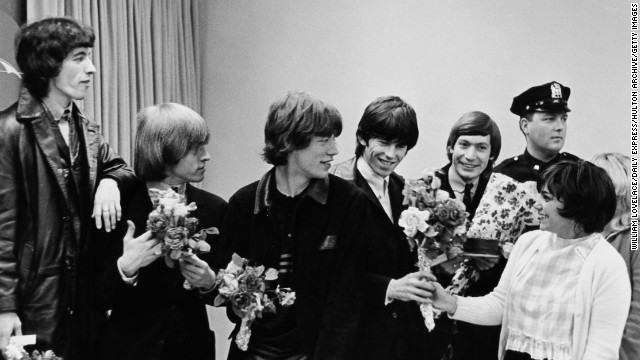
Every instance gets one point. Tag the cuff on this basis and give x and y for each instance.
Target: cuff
(387, 298)
(127, 280)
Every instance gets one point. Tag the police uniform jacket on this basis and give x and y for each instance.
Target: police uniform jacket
(525, 167)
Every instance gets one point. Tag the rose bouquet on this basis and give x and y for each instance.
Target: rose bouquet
(435, 224)
(247, 289)
(179, 234)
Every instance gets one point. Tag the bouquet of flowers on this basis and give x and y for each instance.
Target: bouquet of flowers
(504, 212)
(170, 223)
(15, 350)
(245, 288)
(433, 222)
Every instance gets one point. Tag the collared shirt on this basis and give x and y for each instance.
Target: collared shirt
(378, 184)
(457, 184)
(60, 117)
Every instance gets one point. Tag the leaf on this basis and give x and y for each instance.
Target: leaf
(212, 231)
(219, 300)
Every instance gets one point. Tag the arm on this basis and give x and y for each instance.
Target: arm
(609, 310)
(9, 180)
(113, 174)
(630, 349)
(489, 309)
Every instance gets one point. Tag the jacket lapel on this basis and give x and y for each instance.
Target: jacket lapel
(396, 185)
(49, 149)
(90, 133)
(364, 185)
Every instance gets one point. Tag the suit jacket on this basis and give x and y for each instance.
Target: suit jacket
(157, 318)
(396, 330)
(328, 230)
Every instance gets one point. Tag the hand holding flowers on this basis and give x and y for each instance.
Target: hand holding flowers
(180, 236)
(249, 291)
(435, 224)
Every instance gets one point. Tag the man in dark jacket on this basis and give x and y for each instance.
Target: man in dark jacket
(391, 326)
(473, 146)
(308, 225)
(52, 158)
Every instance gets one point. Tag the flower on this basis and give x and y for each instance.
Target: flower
(247, 290)
(157, 222)
(175, 237)
(414, 220)
(506, 249)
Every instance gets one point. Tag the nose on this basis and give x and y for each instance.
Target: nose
(470, 153)
(333, 147)
(390, 151)
(91, 69)
(205, 155)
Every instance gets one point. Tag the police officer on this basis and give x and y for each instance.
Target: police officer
(543, 121)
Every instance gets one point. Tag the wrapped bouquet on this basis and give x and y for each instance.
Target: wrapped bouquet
(435, 224)
(170, 223)
(504, 212)
(249, 291)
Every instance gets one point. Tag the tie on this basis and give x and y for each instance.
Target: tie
(466, 199)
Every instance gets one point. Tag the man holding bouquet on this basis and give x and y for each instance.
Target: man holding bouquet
(308, 225)
(391, 326)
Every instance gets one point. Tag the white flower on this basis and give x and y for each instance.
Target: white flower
(229, 285)
(414, 220)
(442, 196)
(506, 249)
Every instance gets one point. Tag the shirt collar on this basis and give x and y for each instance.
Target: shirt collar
(56, 110)
(317, 190)
(456, 182)
(376, 182)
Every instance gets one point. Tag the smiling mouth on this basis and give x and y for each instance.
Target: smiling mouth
(386, 163)
(469, 166)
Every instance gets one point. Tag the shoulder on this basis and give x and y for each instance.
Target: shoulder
(345, 169)
(204, 196)
(244, 193)
(509, 163)
(567, 156)
(399, 179)
(531, 239)
(8, 120)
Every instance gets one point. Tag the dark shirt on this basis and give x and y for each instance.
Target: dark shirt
(274, 336)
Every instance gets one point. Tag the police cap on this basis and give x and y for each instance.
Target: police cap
(551, 96)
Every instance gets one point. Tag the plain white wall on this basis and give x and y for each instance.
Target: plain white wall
(444, 57)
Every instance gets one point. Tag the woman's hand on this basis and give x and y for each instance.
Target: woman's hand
(197, 272)
(442, 300)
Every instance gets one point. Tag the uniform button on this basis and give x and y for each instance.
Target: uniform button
(67, 264)
(289, 236)
(394, 315)
(70, 311)
(66, 218)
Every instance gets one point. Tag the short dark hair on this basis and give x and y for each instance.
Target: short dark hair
(293, 121)
(477, 123)
(166, 133)
(42, 46)
(388, 118)
(585, 190)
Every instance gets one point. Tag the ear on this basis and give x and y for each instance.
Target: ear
(361, 141)
(524, 125)
(449, 150)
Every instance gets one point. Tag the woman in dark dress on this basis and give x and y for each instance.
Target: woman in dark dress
(153, 315)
